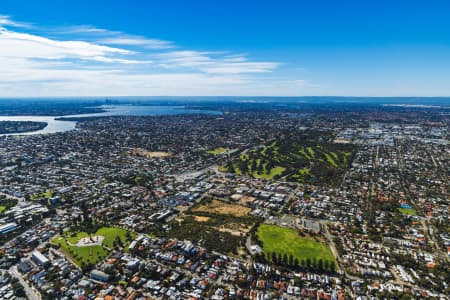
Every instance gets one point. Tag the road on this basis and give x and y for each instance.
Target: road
(31, 292)
(330, 242)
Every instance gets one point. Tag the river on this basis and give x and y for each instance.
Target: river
(54, 125)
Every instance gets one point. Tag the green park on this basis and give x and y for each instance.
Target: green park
(407, 211)
(85, 249)
(306, 158)
(287, 243)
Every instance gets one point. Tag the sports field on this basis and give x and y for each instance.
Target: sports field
(408, 211)
(280, 240)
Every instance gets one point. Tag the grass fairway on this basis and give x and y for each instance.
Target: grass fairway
(408, 211)
(304, 157)
(91, 254)
(282, 240)
(276, 171)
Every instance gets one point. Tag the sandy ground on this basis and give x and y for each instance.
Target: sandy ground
(201, 219)
(143, 152)
(235, 229)
(223, 208)
(247, 199)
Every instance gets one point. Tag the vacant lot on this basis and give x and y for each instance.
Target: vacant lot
(247, 200)
(217, 225)
(92, 254)
(222, 208)
(146, 153)
(286, 241)
(237, 229)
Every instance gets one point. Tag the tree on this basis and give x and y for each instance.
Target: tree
(274, 257)
(308, 262)
(314, 263)
(326, 265)
(18, 288)
(291, 260)
(320, 265)
(332, 266)
(118, 241)
(279, 258)
(128, 236)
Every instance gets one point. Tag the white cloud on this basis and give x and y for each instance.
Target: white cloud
(235, 58)
(215, 62)
(110, 37)
(186, 58)
(90, 61)
(119, 60)
(6, 21)
(88, 29)
(24, 45)
(241, 67)
(40, 79)
(137, 41)
(298, 82)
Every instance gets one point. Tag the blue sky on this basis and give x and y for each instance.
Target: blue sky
(286, 48)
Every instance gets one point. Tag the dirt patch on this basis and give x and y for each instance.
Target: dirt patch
(146, 153)
(159, 154)
(222, 208)
(202, 219)
(247, 200)
(236, 229)
(230, 231)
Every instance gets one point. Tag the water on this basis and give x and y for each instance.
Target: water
(144, 110)
(54, 125)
